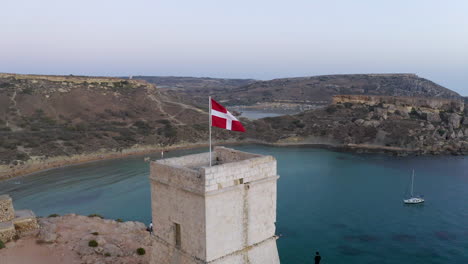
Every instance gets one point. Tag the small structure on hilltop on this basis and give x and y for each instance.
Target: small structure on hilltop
(221, 214)
(14, 223)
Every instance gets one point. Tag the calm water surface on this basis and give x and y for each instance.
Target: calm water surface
(257, 114)
(347, 206)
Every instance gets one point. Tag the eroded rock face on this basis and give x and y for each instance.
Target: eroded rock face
(48, 233)
(465, 120)
(401, 128)
(116, 242)
(433, 117)
(454, 120)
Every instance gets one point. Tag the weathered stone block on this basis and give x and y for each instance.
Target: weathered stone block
(433, 117)
(25, 221)
(7, 231)
(454, 120)
(465, 120)
(7, 213)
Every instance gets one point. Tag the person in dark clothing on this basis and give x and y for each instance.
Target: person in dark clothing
(150, 228)
(317, 257)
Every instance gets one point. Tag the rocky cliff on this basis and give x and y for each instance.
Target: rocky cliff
(404, 125)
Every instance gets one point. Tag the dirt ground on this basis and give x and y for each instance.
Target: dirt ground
(27, 251)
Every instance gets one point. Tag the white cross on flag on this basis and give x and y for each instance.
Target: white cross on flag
(220, 117)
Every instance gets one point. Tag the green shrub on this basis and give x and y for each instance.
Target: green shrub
(141, 251)
(331, 109)
(298, 123)
(200, 126)
(168, 131)
(96, 215)
(93, 243)
(95, 233)
(22, 156)
(164, 121)
(107, 254)
(441, 131)
(54, 215)
(2, 245)
(119, 220)
(414, 113)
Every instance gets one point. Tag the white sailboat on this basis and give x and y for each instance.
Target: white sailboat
(413, 199)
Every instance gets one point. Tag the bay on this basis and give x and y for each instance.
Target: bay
(347, 206)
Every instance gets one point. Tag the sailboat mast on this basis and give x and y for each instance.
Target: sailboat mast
(412, 182)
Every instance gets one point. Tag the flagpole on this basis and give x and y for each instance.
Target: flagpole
(209, 123)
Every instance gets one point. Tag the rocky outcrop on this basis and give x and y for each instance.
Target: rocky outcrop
(66, 239)
(369, 123)
(398, 102)
(453, 120)
(117, 242)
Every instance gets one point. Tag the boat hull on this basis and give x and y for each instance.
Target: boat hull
(413, 201)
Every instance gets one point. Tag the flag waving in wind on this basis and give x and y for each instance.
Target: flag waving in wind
(220, 117)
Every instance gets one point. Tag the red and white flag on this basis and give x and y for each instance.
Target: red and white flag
(220, 117)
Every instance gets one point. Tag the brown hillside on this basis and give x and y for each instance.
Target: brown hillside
(46, 116)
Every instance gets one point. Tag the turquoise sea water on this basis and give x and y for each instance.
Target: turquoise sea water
(347, 206)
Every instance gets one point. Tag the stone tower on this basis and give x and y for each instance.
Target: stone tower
(224, 214)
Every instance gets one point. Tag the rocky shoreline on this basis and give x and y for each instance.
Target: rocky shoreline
(7, 172)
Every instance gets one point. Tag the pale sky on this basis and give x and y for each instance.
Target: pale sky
(260, 39)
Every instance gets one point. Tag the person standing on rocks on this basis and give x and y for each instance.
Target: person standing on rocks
(317, 258)
(150, 228)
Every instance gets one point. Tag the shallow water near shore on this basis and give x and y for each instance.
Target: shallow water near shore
(347, 206)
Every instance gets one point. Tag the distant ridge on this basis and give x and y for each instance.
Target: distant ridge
(194, 89)
(317, 90)
(320, 89)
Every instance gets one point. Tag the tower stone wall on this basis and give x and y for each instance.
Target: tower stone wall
(14, 223)
(221, 214)
(7, 213)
